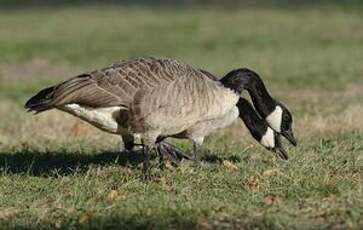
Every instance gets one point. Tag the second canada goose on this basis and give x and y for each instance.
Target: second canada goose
(104, 97)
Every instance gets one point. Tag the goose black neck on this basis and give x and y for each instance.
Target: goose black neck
(261, 98)
(244, 78)
(253, 122)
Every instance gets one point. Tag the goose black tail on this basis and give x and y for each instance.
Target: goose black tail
(42, 101)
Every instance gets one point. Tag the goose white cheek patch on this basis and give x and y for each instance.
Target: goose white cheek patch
(268, 140)
(275, 118)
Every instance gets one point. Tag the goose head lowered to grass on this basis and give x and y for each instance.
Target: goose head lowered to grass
(259, 129)
(275, 113)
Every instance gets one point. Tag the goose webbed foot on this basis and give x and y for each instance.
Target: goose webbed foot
(164, 150)
(171, 152)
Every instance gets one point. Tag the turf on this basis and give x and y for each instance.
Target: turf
(57, 172)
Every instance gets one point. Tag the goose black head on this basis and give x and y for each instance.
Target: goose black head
(275, 113)
(237, 80)
(260, 130)
(280, 120)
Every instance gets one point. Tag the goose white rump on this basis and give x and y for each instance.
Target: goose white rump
(103, 118)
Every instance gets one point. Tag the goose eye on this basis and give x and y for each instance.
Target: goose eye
(285, 117)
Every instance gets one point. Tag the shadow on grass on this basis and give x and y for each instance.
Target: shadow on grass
(213, 158)
(62, 162)
(170, 220)
(40, 163)
(167, 221)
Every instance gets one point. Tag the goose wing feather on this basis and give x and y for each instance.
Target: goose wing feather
(118, 83)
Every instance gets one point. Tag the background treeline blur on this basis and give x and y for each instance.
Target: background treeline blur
(16, 4)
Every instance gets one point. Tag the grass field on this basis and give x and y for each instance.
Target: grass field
(58, 172)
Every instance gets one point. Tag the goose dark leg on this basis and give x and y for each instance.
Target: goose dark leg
(128, 141)
(146, 164)
(160, 152)
(129, 145)
(196, 148)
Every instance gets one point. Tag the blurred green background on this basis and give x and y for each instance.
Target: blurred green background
(281, 38)
(58, 172)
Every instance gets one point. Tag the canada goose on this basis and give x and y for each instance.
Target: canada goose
(96, 97)
(104, 97)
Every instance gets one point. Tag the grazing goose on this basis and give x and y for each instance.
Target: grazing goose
(104, 97)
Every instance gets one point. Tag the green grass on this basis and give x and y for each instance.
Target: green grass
(59, 173)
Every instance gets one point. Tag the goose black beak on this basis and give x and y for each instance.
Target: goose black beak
(289, 135)
(279, 149)
(282, 153)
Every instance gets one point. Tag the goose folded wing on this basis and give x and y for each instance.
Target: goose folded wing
(95, 90)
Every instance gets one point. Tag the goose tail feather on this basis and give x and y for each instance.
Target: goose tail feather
(42, 101)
